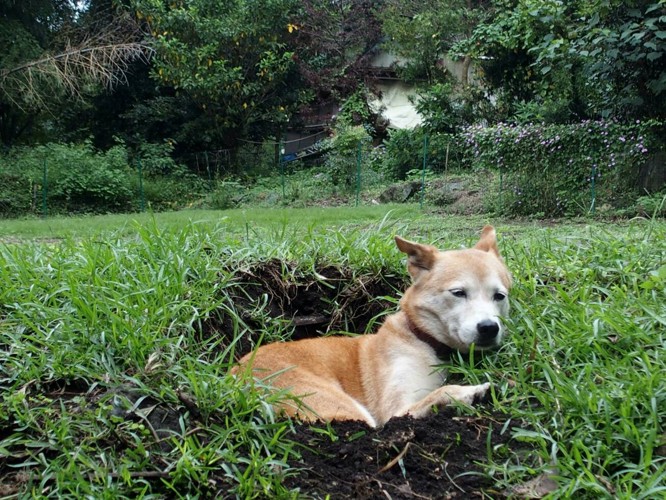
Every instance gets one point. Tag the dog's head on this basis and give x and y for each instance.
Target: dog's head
(458, 296)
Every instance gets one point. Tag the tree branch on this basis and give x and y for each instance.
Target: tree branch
(103, 60)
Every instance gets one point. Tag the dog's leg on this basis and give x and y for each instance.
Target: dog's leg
(468, 394)
(318, 399)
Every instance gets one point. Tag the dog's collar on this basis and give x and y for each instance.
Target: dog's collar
(442, 350)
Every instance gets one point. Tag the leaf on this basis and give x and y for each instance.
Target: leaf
(653, 56)
(653, 7)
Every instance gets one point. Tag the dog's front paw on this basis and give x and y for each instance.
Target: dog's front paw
(468, 394)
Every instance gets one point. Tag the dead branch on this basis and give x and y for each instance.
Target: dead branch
(102, 59)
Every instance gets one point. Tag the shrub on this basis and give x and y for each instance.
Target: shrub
(404, 152)
(251, 161)
(157, 159)
(20, 183)
(653, 205)
(78, 178)
(179, 189)
(227, 194)
(564, 169)
(341, 160)
(82, 179)
(548, 170)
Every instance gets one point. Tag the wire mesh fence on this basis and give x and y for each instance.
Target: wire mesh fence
(514, 171)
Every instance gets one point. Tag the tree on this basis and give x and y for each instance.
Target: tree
(230, 58)
(334, 44)
(56, 51)
(422, 32)
(572, 60)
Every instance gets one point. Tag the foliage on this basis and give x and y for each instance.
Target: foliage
(252, 161)
(77, 177)
(60, 50)
(440, 109)
(422, 31)
(543, 171)
(651, 205)
(80, 178)
(584, 59)
(156, 158)
(561, 169)
(22, 36)
(348, 147)
(333, 45)
(238, 68)
(355, 110)
(227, 194)
(404, 152)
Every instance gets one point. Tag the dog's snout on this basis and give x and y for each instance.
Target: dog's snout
(488, 330)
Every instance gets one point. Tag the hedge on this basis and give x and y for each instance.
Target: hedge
(544, 170)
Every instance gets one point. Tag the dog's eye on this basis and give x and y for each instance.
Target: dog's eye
(499, 296)
(458, 293)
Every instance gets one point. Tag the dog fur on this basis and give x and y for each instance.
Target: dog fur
(456, 299)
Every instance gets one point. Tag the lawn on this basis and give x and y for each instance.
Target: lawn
(116, 334)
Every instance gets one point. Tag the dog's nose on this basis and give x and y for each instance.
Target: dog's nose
(488, 330)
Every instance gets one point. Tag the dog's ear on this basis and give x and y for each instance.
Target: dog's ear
(421, 257)
(488, 241)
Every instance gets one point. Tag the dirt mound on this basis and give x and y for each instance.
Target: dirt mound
(436, 457)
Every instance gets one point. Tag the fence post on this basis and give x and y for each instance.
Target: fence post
(593, 193)
(425, 163)
(142, 195)
(359, 152)
(501, 190)
(44, 190)
(281, 151)
(210, 177)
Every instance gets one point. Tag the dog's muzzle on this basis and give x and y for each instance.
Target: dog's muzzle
(487, 333)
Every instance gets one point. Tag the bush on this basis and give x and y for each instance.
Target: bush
(341, 160)
(404, 152)
(227, 194)
(181, 188)
(560, 170)
(78, 178)
(547, 170)
(18, 193)
(653, 205)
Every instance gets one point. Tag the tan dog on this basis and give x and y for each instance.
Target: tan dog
(456, 300)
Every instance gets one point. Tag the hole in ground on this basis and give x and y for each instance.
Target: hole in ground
(306, 303)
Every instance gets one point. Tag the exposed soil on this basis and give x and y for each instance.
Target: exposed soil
(440, 456)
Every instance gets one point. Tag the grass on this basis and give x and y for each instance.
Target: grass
(237, 220)
(105, 343)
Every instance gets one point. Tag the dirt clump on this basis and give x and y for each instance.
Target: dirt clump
(439, 456)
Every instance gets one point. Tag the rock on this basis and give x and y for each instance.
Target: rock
(652, 175)
(400, 193)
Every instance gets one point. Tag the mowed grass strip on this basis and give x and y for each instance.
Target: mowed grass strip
(100, 332)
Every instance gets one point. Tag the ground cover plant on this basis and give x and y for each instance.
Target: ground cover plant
(115, 346)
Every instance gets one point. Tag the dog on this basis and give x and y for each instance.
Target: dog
(457, 299)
